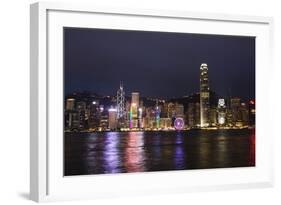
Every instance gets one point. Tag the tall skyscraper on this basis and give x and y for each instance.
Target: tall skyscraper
(213, 116)
(112, 119)
(244, 114)
(221, 112)
(94, 115)
(135, 102)
(103, 125)
(235, 104)
(136, 99)
(81, 109)
(157, 115)
(70, 103)
(121, 112)
(204, 95)
(72, 120)
(191, 115)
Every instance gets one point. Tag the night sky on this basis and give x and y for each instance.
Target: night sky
(157, 64)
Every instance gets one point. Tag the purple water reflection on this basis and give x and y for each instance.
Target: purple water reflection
(123, 152)
(111, 153)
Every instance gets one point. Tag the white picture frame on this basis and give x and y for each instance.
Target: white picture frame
(46, 179)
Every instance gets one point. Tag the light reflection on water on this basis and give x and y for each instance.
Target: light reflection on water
(222, 155)
(179, 152)
(121, 152)
(111, 153)
(134, 157)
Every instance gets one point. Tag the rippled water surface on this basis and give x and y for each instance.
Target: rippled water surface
(123, 152)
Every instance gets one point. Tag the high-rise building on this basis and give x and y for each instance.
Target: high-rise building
(165, 123)
(140, 115)
(221, 112)
(134, 110)
(94, 115)
(121, 112)
(70, 104)
(171, 110)
(235, 104)
(103, 125)
(157, 115)
(244, 114)
(134, 105)
(81, 109)
(179, 110)
(72, 120)
(193, 114)
(204, 95)
(229, 117)
(149, 119)
(112, 118)
(164, 110)
(136, 99)
(252, 113)
(213, 116)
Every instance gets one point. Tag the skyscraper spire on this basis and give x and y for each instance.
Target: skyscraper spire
(121, 85)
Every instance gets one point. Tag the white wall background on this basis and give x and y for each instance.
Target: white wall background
(14, 101)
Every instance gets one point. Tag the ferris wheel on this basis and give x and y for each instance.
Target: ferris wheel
(179, 123)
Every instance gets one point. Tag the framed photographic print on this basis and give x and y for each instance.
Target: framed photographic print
(131, 101)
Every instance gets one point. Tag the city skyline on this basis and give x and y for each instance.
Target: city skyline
(121, 114)
(166, 62)
(157, 101)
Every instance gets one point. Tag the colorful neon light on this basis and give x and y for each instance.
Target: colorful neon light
(131, 117)
(157, 117)
(140, 124)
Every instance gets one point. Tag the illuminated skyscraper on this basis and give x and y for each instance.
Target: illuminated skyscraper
(252, 112)
(235, 104)
(191, 115)
(136, 99)
(157, 115)
(140, 118)
(213, 116)
(94, 115)
(72, 120)
(135, 102)
(134, 108)
(244, 114)
(204, 96)
(112, 118)
(121, 112)
(81, 109)
(221, 112)
(103, 125)
(70, 103)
